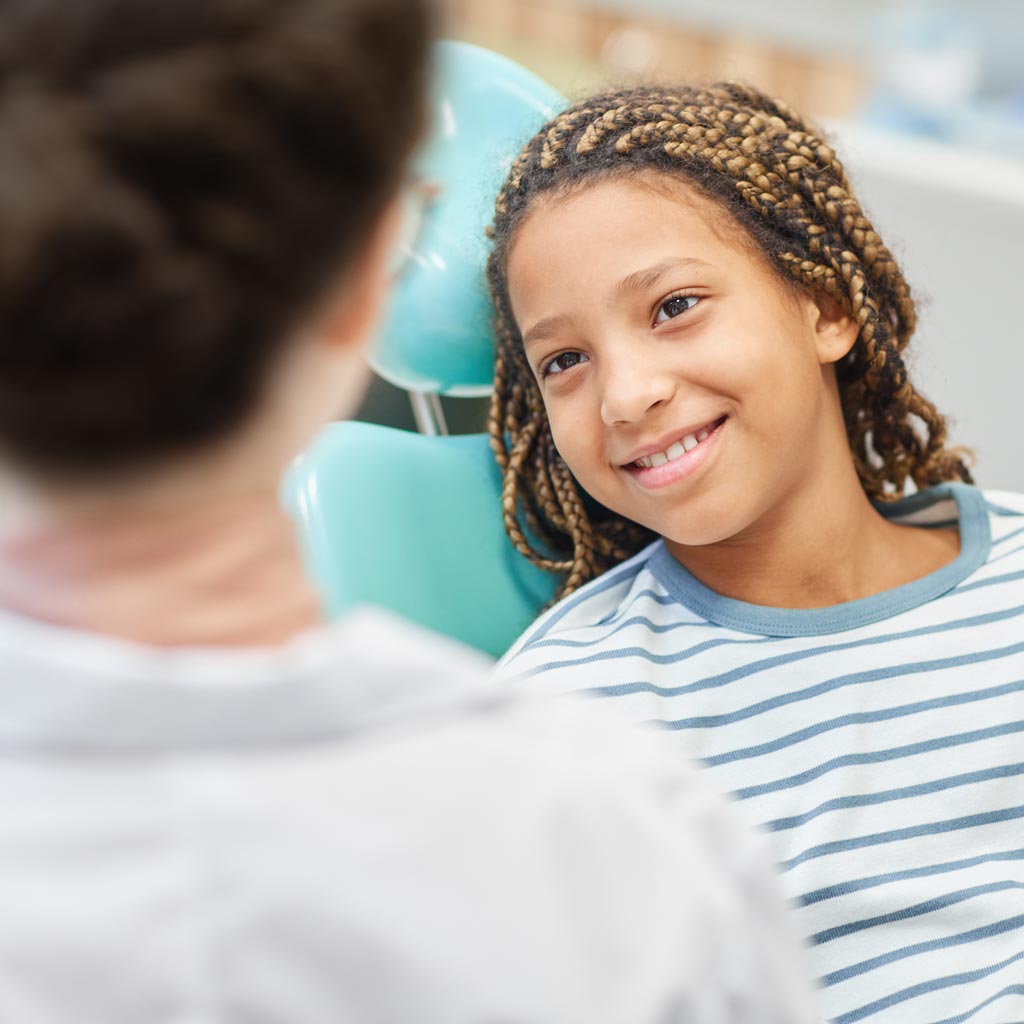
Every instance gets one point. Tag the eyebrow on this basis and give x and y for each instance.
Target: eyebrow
(639, 280)
(545, 328)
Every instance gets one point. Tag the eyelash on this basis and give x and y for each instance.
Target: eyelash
(675, 297)
(544, 370)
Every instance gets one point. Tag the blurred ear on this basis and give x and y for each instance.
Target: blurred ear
(351, 313)
(835, 331)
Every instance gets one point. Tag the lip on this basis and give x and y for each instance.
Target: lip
(678, 469)
(666, 442)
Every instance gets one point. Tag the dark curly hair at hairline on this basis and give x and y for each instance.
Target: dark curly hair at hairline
(783, 186)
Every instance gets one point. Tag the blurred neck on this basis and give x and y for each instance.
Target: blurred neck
(211, 561)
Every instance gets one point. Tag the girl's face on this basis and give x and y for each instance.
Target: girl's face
(687, 388)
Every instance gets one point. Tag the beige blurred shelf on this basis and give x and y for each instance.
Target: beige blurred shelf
(582, 46)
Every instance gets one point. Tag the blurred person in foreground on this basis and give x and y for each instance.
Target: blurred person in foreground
(217, 808)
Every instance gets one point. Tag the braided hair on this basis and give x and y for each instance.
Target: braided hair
(782, 183)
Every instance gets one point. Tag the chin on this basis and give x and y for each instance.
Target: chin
(700, 530)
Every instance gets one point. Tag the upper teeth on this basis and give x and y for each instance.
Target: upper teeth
(687, 444)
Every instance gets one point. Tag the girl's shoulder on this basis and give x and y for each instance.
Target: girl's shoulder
(1005, 521)
(598, 602)
(1004, 503)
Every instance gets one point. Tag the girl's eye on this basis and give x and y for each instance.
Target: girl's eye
(562, 362)
(672, 307)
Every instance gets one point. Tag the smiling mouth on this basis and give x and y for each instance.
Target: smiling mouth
(678, 449)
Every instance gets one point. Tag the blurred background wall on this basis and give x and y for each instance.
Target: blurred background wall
(925, 100)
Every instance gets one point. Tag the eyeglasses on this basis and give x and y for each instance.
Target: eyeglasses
(416, 198)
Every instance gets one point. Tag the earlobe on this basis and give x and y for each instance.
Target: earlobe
(835, 331)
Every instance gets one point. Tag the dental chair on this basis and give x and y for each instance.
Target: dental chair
(412, 521)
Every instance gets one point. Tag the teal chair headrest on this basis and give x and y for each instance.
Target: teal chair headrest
(437, 334)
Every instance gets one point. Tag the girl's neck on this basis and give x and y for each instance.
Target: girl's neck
(825, 544)
(223, 572)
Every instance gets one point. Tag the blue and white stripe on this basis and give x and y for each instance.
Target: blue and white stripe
(880, 743)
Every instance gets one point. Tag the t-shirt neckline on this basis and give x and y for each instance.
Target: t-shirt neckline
(763, 620)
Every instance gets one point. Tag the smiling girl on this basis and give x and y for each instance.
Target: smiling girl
(705, 426)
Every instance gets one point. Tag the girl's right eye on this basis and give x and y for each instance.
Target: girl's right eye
(562, 362)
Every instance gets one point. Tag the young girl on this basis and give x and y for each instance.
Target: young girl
(700, 340)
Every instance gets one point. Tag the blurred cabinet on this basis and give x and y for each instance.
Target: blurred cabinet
(581, 46)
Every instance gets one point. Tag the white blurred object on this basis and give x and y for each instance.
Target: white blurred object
(928, 57)
(362, 827)
(954, 219)
(630, 50)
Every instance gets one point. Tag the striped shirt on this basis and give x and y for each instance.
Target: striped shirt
(880, 743)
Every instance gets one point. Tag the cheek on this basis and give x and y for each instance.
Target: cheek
(779, 381)
(576, 443)
(793, 398)
(566, 439)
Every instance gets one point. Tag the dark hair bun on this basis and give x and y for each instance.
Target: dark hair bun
(178, 183)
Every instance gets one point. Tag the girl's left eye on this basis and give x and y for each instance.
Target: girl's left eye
(674, 306)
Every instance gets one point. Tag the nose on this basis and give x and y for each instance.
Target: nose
(631, 389)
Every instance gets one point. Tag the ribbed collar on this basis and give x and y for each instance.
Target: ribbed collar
(975, 542)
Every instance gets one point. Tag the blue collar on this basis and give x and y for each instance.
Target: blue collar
(975, 541)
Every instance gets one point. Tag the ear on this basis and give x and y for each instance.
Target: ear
(350, 314)
(835, 332)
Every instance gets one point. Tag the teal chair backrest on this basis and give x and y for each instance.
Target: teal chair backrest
(413, 524)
